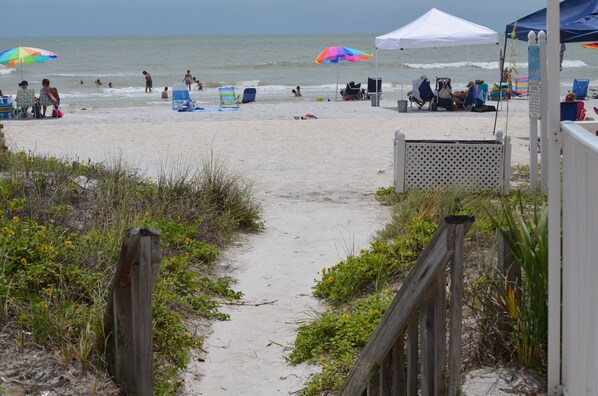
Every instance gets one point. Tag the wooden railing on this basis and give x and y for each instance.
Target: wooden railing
(128, 318)
(391, 362)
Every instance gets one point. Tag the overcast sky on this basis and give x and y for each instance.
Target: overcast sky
(34, 18)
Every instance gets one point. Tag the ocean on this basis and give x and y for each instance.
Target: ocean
(274, 64)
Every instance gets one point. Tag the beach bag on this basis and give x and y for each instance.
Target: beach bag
(57, 113)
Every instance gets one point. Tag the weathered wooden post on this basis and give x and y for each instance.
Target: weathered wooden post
(128, 319)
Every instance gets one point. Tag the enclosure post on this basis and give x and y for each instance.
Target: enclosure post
(399, 161)
(544, 157)
(554, 197)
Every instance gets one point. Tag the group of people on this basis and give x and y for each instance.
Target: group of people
(297, 91)
(26, 99)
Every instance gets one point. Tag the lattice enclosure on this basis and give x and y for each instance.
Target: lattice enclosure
(473, 165)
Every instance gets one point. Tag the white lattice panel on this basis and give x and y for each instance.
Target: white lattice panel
(474, 166)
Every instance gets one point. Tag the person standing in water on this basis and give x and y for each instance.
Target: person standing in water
(148, 81)
(188, 80)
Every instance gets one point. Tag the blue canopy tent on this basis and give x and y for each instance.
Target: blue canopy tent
(579, 22)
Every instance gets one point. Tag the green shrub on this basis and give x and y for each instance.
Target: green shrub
(60, 241)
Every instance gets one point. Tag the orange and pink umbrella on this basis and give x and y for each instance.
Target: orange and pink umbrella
(336, 54)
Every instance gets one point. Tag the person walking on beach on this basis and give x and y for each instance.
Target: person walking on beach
(188, 80)
(298, 90)
(148, 81)
(165, 93)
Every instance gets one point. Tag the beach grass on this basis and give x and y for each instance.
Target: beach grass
(363, 285)
(61, 228)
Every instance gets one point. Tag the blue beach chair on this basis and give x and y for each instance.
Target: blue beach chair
(181, 101)
(580, 88)
(248, 95)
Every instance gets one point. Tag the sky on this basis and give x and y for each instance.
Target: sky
(57, 18)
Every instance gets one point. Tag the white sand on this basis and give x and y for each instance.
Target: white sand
(316, 179)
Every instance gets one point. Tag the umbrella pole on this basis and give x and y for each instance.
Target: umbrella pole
(338, 70)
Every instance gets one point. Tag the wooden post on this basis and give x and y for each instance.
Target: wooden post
(128, 319)
(456, 240)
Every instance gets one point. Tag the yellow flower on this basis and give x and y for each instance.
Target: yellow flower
(68, 243)
(15, 219)
(23, 261)
(330, 279)
(43, 304)
(327, 310)
(147, 214)
(44, 228)
(51, 248)
(178, 218)
(45, 249)
(42, 238)
(6, 230)
(345, 315)
(362, 251)
(48, 291)
(187, 334)
(323, 270)
(187, 240)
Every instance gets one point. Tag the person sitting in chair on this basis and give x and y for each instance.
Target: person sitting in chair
(25, 98)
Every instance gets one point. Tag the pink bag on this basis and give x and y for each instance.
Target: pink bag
(57, 113)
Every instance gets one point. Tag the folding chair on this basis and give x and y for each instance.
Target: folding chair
(248, 95)
(228, 97)
(181, 101)
(580, 88)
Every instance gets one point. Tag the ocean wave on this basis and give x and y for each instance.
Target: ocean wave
(493, 65)
(6, 70)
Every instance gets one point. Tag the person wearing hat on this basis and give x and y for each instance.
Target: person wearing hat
(25, 98)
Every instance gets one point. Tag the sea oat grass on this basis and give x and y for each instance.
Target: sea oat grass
(61, 229)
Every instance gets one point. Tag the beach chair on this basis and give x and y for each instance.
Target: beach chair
(501, 92)
(573, 111)
(228, 97)
(522, 86)
(6, 107)
(248, 95)
(374, 85)
(580, 88)
(352, 91)
(181, 101)
(421, 94)
(443, 95)
(568, 111)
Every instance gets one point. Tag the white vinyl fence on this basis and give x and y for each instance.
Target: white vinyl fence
(475, 165)
(580, 258)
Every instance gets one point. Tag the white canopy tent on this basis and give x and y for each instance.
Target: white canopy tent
(437, 29)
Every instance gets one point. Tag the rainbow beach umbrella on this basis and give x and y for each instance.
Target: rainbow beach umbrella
(28, 55)
(336, 54)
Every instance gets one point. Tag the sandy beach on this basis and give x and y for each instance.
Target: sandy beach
(316, 179)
